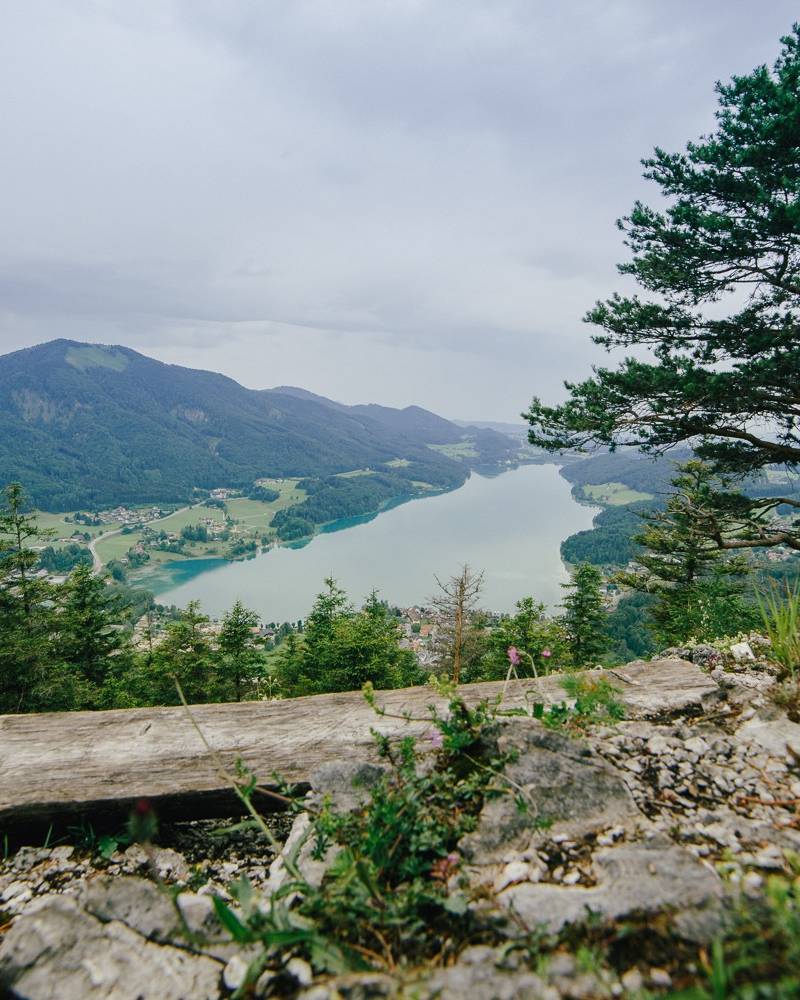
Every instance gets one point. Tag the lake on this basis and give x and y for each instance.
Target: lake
(510, 526)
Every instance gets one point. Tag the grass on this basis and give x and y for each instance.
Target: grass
(614, 494)
(463, 449)
(116, 546)
(398, 463)
(253, 515)
(65, 529)
(257, 513)
(355, 473)
(183, 518)
(780, 611)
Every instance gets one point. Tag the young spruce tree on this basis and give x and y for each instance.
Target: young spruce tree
(585, 617)
(698, 586)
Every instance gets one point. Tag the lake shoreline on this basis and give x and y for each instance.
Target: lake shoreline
(510, 524)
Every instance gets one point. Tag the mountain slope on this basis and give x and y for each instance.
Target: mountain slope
(87, 425)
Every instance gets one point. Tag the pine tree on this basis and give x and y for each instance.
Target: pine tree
(342, 648)
(584, 616)
(697, 585)
(26, 614)
(91, 635)
(241, 661)
(185, 655)
(727, 234)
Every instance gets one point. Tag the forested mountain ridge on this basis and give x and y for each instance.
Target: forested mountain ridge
(85, 425)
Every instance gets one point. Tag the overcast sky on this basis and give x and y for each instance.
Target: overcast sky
(402, 201)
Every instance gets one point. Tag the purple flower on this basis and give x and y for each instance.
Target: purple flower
(546, 653)
(435, 738)
(513, 656)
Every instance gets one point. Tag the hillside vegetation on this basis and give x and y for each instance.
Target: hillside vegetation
(87, 425)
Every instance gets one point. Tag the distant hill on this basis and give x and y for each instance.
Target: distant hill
(85, 425)
(518, 431)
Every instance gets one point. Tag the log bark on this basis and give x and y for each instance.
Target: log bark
(62, 765)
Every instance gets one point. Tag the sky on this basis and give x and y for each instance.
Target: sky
(395, 201)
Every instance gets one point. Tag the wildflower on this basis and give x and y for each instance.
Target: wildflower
(142, 822)
(513, 656)
(546, 653)
(443, 868)
(435, 738)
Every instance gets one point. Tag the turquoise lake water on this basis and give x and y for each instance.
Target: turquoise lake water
(510, 526)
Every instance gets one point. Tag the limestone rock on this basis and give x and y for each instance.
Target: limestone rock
(57, 951)
(635, 878)
(482, 981)
(346, 783)
(778, 736)
(651, 688)
(135, 902)
(299, 849)
(562, 783)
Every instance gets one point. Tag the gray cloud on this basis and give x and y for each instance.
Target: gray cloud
(410, 201)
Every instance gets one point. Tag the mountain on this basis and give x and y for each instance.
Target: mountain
(420, 423)
(86, 425)
(518, 431)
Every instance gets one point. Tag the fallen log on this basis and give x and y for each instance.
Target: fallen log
(61, 766)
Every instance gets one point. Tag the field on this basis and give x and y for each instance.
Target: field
(257, 514)
(614, 494)
(463, 449)
(192, 515)
(116, 546)
(398, 463)
(252, 515)
(64, 529)
(355, 473)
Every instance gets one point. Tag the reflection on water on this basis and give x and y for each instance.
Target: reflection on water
(510, 525)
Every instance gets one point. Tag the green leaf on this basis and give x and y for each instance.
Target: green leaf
(230, 921)
(456, 904)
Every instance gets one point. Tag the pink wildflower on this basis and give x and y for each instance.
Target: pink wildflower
(513, 656)
(435, 738)
(546, 653)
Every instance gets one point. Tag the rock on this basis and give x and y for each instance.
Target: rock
(780, 736)
(484, 982)
(742, 653)
(633, 980)
(696, 744)
(660, 978)
(658, 745)
(170, 865)
(299, 846)
(356, 986)
(515, 871)
(57, 951)
(235, 972)
(135, 902)
(198, 912)
(652, 688)
(346, 783)
(630, 878)
(300, 971)
(562, 783)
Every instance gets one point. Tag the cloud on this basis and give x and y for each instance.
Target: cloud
(410, 201)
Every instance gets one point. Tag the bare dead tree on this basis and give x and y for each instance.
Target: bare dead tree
(456, 602)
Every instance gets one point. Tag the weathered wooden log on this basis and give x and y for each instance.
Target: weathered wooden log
(62, 765)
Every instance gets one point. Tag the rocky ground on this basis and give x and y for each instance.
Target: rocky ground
(673, 814)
